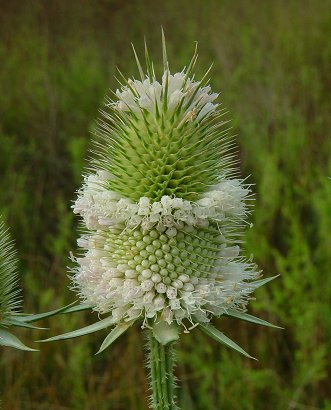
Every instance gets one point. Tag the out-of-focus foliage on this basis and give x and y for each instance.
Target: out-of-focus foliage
(272, 64)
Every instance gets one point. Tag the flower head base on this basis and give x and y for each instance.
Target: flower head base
(164, 208)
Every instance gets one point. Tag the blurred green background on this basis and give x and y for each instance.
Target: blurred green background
(272, 64)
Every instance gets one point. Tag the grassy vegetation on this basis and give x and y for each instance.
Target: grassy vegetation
(272, 64)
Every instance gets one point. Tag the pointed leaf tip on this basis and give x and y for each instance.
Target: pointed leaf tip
(114, 334)
(24, 319)
(30, 318)
(141, 72)
(9, 340)
(258, 283)
(11, 321)
(77, 308)
(164, 51)
(220, 337)
(250, 318)
(95, 327)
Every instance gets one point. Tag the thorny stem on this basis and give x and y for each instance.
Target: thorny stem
(161, 362)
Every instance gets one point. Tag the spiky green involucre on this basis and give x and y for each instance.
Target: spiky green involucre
(163, 207)
(9, 290)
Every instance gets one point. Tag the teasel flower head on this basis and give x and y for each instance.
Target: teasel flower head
(163, 207)
(11, 315)
(10, 300)
(10, 293)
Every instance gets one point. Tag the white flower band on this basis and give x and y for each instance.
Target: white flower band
(101, 207)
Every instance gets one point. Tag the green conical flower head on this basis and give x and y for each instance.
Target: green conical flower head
(160, 142)
(9, 291)
(163, 206)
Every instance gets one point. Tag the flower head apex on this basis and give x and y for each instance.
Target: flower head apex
(149, 95)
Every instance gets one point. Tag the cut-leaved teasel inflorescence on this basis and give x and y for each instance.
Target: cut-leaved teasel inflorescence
(10, 293)
(10, 300)
(11, 315)
(163, 212)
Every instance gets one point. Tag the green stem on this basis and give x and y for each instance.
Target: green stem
(161, 362)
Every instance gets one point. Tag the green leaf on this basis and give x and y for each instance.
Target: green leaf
(165, 333)
(250, 318)
(39, 316)
(115, 334)
(258, 283)
(141, 72)
(13, 322)
(164, 51)
(9, 340)
(220, 337)
(102, 324)
(77, 308)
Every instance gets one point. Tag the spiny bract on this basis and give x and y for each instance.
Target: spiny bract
(163, 207)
